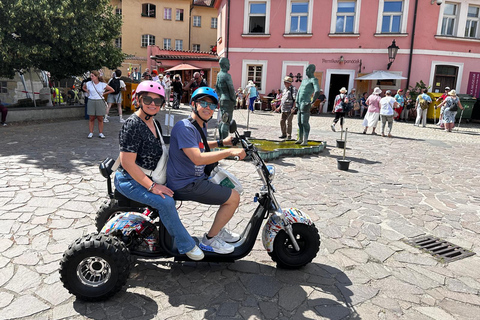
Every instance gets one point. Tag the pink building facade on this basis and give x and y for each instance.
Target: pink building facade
(439, 42)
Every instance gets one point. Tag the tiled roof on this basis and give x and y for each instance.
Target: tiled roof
(208, 3)
(185, 55)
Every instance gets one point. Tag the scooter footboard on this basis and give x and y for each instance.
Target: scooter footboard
(275, 224)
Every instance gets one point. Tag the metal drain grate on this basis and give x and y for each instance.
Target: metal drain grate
(442, 250)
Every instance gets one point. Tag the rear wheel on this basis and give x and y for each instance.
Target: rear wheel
(285, 255)
(95, 267)
(110, 209)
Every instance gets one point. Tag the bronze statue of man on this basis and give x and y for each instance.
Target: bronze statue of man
(307, 94)
(227, 97)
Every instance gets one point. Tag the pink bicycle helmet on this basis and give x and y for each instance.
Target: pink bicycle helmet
(150, 86)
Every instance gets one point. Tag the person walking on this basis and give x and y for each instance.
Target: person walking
(4, 112)
(387, 106)
(422, 102)
(116, 97)
(373, 112)
(252, 94)
(287, 108)
(339, 108)
(442, 98)
(451, 103)
(177, 91)
(96, 108)
(400, 104)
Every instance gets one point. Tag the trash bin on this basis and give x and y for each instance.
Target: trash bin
(432, 113)
(467, 102)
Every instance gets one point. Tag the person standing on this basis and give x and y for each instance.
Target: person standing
(338, 108)
(177, 91)
(4, 112)
(352, 100)
(287, 107)
(422, 102)
(387, 106)
(116, 97)
(363, 104)
(442, 98)
(167, 84)
(400, 102)
(96, 103)
(408, 105)
(373, 112)
(451, 105)
(251, 95)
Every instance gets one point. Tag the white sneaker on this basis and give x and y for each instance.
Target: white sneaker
(228, 236)
(90, 135)
(216, 245)
(195, 254)
(101, 136)
(122, 120)
(106, 119)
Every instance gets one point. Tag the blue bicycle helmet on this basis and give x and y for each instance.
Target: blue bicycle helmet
(202, 92)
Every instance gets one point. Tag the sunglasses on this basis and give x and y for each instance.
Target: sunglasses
(148, 100)
(206, 104)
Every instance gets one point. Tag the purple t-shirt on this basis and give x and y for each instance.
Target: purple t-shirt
(181, 171)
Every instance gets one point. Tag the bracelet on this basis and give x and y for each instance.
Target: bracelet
(151, 187)
(220, 143)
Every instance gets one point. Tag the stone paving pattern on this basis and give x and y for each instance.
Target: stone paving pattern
(422, 181)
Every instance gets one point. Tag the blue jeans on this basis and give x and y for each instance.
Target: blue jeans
(251, 105)
(131, 189)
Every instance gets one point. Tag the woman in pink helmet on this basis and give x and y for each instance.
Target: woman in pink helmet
(140, 151)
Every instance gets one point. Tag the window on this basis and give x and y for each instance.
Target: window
(257, 17)
(345, 17)
(179, 15)
(299, 17)
(392, 16)
(178, 44)
(196, 47)
(473, 18)
(167, 13)
(254, 73)
(3, 87)
(197, 21)
(118, 11)
(213, 24)
(148, 10)
(118, 43)
(449, 19)
(148, 40)
(167, 43)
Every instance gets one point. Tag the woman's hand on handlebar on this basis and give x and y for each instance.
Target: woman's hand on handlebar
(162, 191)
(237, 152)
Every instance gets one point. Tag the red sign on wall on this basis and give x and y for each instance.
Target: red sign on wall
(473, 87)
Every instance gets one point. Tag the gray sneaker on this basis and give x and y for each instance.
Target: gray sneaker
(228, 236)
(216, 245)
(195, 254)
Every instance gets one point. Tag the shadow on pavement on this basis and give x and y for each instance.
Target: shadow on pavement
(243, 289)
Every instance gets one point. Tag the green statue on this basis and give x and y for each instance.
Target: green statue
(307, 94)
(226, 94)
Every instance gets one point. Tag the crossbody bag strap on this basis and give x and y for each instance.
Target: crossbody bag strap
(159, 132)
(204, 139)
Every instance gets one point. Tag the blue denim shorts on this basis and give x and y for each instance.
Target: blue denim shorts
(203, 191)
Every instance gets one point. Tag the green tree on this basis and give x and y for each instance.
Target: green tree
(64, 37)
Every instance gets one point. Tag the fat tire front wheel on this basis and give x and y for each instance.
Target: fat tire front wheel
(108, 210)
(95, 267)
(285, 255)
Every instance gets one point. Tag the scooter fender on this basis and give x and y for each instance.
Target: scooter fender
(275, 224)
(127, 223)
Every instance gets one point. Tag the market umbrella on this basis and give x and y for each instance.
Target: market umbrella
(381, 75)
(183, 66)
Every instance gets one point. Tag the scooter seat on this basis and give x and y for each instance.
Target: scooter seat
(126, 202)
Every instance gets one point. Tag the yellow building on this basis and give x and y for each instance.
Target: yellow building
(168, 24)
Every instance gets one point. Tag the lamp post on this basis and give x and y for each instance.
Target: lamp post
(392, 53)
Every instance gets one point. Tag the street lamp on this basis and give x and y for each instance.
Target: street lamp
(392, 53)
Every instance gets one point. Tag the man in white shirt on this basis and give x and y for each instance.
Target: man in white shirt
(168, 87)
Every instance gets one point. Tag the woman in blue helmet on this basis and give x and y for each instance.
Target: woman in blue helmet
(186, 176)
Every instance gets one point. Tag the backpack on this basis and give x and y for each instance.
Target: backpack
(423, 103)
(345, 104)
(115, 84)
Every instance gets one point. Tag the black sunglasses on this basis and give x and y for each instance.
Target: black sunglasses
(157, 101)
(206, 104)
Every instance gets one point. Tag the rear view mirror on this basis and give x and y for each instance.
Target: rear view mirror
(233, 126)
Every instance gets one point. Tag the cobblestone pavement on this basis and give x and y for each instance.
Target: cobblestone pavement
(421, 182)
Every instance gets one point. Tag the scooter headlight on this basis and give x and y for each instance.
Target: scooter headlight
(271, 172)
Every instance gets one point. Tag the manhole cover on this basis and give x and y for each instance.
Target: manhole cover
(442, 250)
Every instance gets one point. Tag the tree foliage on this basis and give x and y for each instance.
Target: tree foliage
(64, 37)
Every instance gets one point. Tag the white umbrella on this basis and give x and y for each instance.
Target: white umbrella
(381, 75)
